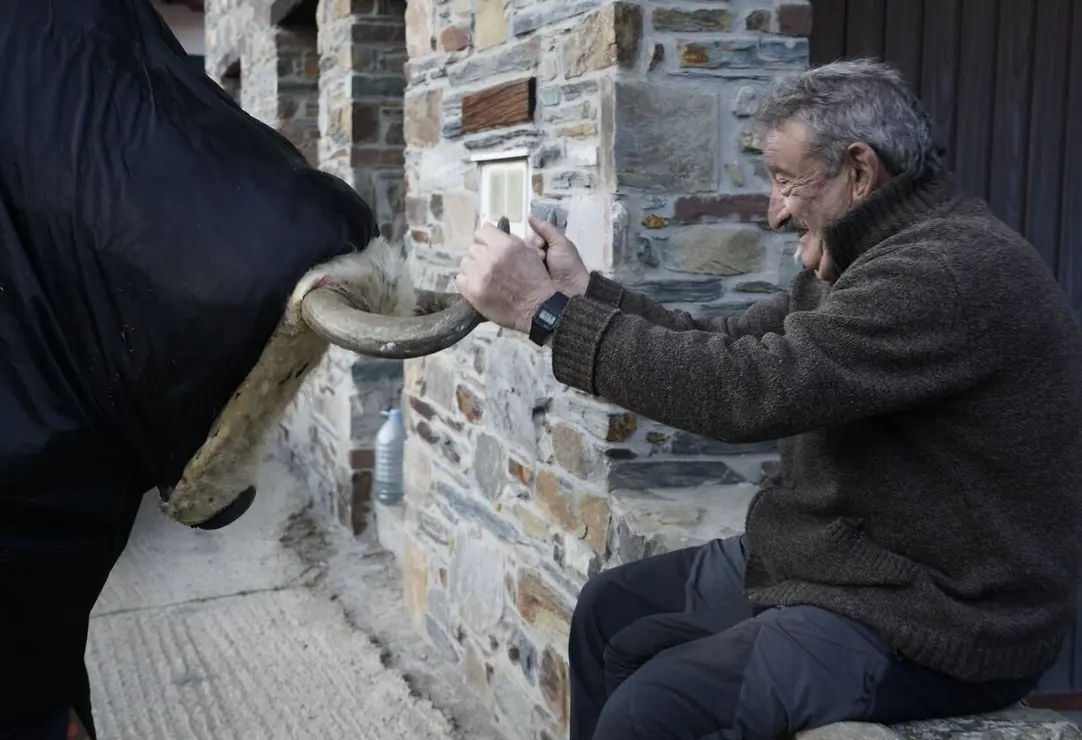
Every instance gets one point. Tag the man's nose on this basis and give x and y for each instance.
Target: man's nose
(777, 214)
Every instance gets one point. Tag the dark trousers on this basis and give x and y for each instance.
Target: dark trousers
(668, 648)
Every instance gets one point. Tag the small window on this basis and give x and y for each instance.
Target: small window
(505, 191)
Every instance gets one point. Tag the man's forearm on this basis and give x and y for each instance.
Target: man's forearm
(764, 316)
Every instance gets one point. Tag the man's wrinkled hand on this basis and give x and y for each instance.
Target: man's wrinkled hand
(562, 257)
(504, 278)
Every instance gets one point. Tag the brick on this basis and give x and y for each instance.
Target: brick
(795, 20)
(744, 207)
(366, 156)
(703, 19)
(378, 32)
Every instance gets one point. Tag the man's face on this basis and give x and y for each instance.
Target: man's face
(802, 195)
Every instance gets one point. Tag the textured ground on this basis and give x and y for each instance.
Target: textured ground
(240, 633)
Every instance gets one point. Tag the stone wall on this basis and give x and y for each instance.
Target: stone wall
(640, 143)
(329, 76)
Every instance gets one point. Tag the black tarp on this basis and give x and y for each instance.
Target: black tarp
(150, 233)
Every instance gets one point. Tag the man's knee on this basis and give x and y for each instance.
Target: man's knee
(597, 595)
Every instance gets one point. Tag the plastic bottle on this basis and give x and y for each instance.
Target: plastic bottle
(387, 476)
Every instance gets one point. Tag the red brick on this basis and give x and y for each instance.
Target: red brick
(795, 20)
(454, 39)
(698, 209)
(367, 156)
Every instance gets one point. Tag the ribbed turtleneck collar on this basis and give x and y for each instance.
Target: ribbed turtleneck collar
(903, 201)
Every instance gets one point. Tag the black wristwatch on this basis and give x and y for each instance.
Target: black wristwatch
(547, 318)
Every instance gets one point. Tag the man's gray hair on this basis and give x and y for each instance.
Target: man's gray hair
(851, 101)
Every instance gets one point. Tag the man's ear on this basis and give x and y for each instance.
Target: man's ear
(866, 170)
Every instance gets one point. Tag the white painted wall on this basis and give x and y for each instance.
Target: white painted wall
(186, 25)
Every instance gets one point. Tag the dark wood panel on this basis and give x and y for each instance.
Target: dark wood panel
(1044, 169)
(976, 95)
(865, 24)
(1010, 115)
(1070, 230)
(827, 42)
(509, 104)
(939, 68)
(903, 39)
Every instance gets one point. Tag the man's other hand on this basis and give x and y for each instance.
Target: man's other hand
(562, 257)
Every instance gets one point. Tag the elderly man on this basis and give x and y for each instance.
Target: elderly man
(918, 553)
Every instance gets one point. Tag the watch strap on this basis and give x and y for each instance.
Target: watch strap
(547, 317)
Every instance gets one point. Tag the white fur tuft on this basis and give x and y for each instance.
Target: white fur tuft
(375, 279)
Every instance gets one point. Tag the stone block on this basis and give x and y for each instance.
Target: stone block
(578, 512)
(522, 57)
(454, 38)
(660, 520)
(550, 13)
(554, 685)
(419, 20)
(758, 20)
(414, 581)
(489, 466)
(666, 137)
(727, 53)
(522, 653)
(476, 582)
(460, 219)
(702, 19)
(421, 118)
(783, 52)
(513, 393)
(721, 250)
(489, 24)
(682, 291)
(607, 37)
(542, 605)
(632, 474)
(1015, 723)
(795, 19)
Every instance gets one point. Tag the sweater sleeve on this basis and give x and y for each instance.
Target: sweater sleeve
(890, 335)
(761, 318)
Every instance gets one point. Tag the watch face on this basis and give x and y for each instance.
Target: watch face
(546, 316)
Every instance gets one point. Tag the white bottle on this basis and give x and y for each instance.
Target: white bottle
(387, 476)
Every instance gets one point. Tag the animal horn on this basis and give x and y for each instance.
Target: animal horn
(447, 319)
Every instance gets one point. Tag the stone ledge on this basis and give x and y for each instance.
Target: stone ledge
(657, 520)
(1016, 723)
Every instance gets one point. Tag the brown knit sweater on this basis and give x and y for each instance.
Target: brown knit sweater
(929, 407)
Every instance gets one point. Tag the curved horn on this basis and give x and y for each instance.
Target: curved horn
(445, 320)
(331, 315)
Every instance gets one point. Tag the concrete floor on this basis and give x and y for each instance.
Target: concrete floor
(232, 634)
